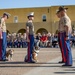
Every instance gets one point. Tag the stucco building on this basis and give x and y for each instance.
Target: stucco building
(45, 18)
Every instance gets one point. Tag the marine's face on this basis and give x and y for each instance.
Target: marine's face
(6, 17)
(31, 18)
(58, 15)
(62, 13)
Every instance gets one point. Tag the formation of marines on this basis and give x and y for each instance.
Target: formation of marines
(64, 34)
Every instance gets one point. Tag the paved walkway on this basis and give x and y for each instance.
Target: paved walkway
(53, 68)
(47, 65)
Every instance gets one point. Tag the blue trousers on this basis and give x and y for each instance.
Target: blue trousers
(61, 37)
(30, 47)
(67, 49)
(0, 49)
(4, 45)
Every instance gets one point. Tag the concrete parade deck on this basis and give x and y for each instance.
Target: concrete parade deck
(47, 64)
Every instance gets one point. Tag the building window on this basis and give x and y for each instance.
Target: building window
(15, 19)
(44, 18)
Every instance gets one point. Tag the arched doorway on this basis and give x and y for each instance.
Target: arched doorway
(21, 31)
(42, 30)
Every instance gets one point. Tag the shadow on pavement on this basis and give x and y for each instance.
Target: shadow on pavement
(23, 64)
(20, 62)
(64, 73)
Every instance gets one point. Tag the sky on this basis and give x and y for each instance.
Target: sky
(5, 4)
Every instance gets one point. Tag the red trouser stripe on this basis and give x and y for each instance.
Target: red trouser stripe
(0, 49)
(60, 35)
(28, 51)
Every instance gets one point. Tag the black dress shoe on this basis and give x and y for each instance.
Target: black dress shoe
(1, 60)
(66, 65)
(5, 60)
(61, 62)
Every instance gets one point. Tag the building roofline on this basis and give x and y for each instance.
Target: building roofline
(25, 7)
(35, 7)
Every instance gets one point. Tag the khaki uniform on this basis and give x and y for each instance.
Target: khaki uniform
(65, 21)
(31, 27)
(3, 25)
